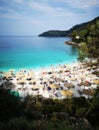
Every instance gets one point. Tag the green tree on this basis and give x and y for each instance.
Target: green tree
(83, 51)
(93, 112)
(17, 124)
(10, 106)
(80, 112)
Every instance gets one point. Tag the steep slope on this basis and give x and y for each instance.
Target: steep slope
(90, 28)
(88, 37)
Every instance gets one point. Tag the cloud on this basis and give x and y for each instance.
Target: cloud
(50, 10)
(40, 7)
(33, 15)
(81, 3)
(6, 10)
(19, 1)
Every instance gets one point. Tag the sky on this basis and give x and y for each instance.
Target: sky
(32, 17)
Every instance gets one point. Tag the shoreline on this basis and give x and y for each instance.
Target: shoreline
(72, 43)
(57, 82)
(36, 68)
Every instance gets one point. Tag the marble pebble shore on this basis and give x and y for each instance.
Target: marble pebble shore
(57, 82)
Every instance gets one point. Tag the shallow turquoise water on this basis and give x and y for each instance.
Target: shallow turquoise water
(34, 52)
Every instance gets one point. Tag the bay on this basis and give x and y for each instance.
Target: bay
(34, 52)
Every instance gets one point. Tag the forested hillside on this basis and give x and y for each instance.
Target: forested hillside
(88, 36)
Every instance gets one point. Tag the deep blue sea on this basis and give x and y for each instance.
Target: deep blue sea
(34, 52)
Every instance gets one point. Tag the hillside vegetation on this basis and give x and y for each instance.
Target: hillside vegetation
(38, 113)
(54, 33)
(88, 37)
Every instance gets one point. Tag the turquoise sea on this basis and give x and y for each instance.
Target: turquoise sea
(34, 52)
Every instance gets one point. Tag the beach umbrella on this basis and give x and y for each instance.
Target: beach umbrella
(61, 71)
(20, 75)
(94, 67)
(96, 81)
(11, 71)
(46, 80)
(8, 75)
(91, 75)
(51, 81)
(54, 86)
(67, 93)
(94, 86)
(81, 70)
(67, 70)
(74, 73)
(69, 85)
(72, 78)
(32, 82)
(28, 78)
(37, 87)
(89, 92)
(89, 68)
(59, 80)
(82, 77)
(86, 83)
(21, 81)
(30, 75)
